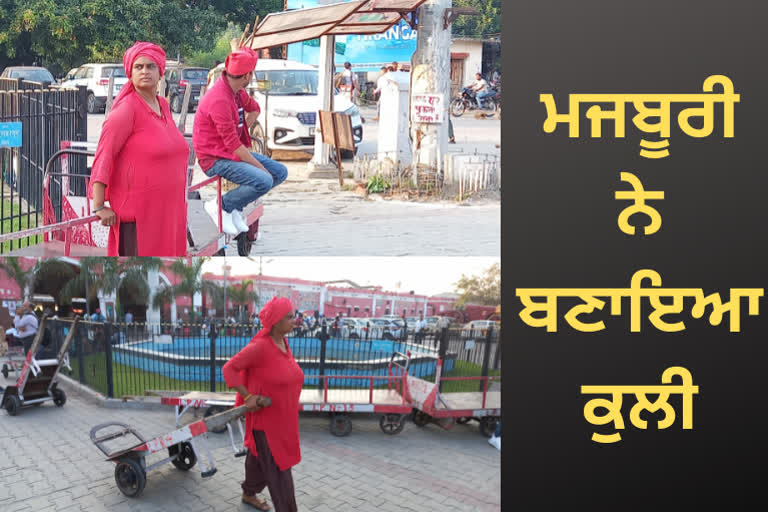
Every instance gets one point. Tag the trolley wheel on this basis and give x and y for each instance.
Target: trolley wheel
(130, 477)
(244, 244)
(186, 458)
(216, 409)
(12, 405)
(421, 419)
(59, 398)
(392, 423)
(341, 425)
(488, 425)
(463, 420)
(5, 370)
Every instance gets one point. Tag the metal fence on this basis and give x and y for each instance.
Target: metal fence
(48, 116)
(136, 359)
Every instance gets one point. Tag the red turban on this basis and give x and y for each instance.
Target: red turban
(140, 49)
(241, 61)
(272, 312)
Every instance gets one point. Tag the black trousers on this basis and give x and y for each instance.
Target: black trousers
(262, 471)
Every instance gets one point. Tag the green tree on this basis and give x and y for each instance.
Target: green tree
(242, 294)
(191, 282)
(487, 22)
(108, 275)
(484, 289)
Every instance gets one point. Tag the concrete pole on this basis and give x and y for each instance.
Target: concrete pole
(431, 74)
(321, 158)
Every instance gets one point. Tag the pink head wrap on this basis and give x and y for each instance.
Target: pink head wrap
(140, 49)
(241, 61)
(272, 312)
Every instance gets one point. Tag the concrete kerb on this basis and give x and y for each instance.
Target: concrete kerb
(74, 388)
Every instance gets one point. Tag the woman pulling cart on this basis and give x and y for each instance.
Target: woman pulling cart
(266, 367)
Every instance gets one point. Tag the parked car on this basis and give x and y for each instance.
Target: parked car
(293, 105)
(478, 327)
(386, 328)
(432, 323)
(70, 75)
(30, 73)
(353, 328)
(95, 77)
(176, 85)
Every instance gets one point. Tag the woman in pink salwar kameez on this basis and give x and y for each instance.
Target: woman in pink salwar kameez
(141, 165)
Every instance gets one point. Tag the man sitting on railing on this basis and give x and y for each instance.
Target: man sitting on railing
(221, 140)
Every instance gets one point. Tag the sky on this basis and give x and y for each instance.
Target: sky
(423, 275)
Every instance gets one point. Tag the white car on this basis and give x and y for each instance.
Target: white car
(96, 78)
(291, 105)
(478, 328)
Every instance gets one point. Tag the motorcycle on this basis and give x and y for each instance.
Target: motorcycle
(467, 101)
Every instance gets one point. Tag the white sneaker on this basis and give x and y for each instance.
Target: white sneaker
(239, 221)
(495, 442)
(226, 218)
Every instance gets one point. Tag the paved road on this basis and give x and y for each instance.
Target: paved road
(47, 462)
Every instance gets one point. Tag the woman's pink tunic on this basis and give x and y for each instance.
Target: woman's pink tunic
(142, 160)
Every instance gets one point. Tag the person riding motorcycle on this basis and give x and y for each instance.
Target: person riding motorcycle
(480, 89)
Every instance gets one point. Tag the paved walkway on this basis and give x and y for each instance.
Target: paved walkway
(47, 462)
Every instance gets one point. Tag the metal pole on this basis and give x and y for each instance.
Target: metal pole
(486, 357)
(87, 295)
(213, 358)
(108, 353)
(323, 342)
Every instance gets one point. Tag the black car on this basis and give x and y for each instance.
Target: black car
(190, 77)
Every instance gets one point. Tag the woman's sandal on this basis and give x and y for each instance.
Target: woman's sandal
(256, 502)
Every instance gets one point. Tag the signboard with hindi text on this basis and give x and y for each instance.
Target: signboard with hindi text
(427, 108)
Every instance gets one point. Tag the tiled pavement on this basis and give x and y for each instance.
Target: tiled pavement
(47, 462)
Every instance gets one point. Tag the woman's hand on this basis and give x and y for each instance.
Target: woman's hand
(107, 216)
(255, 403)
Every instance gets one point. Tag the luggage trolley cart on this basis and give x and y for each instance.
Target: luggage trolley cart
(71, 229)
(183, 447)
(214, 403)
(391, 403)
(37, 379)
(14, 359)
(447, 409)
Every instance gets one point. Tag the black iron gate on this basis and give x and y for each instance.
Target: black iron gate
(48, 116)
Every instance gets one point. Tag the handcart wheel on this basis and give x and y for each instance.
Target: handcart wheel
(421, 419)
(186, 459)
(488, 425)
(12, 405)
(130, 477)
(392, 423)
(463, 420)
(5, 370)
(59, 398)
(244, 244)
(221, 252)
(216, 409)
(341, 425)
